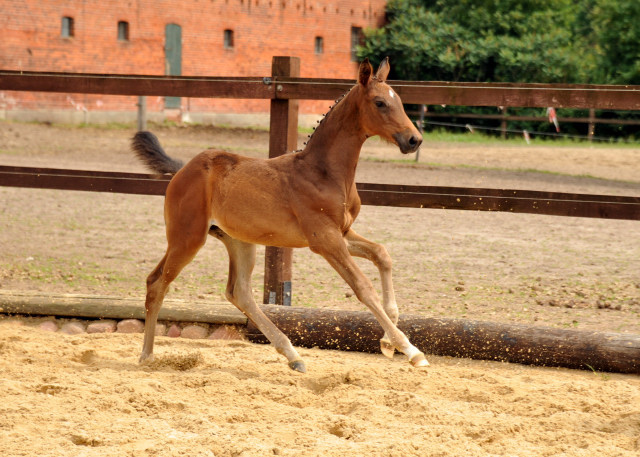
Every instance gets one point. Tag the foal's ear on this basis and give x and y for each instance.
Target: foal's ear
(366, 70)
(383, 70)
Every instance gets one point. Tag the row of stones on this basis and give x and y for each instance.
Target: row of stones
(172, 330)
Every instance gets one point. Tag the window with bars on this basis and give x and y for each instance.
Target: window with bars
(319, 45)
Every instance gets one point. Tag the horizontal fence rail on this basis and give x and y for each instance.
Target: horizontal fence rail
(91, 181)
(503, 200)
(461, 198)
(420, 92)
(478, 94)
(173, 86)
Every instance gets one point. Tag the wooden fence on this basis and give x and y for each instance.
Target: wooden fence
(504, 117)
(284, 87)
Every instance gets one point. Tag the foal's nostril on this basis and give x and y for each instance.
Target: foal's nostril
(407, 143)
(414, 141)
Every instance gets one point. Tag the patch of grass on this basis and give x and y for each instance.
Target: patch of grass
(240, 149)
(83, 125)
(307, 130)
(255, 128)
(109, 126)
(603, 376)
(69, 271)
(437, 165)
(410, 162)
(439, 135)
(446, 136)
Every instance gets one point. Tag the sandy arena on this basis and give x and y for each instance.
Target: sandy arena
(85, 395)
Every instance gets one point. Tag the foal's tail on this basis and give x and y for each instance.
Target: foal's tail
(147, 147)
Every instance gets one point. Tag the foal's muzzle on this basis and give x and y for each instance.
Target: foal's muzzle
(408, 142)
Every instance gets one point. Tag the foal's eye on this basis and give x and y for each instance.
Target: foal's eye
(380, 104)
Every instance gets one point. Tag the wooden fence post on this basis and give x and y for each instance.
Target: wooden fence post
(283, 137)
(142, 112)
(423, 109)
(592, 124)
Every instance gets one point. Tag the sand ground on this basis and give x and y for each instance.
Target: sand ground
(85, 395)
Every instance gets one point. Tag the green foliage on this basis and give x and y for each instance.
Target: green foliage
(613, 28)
(510, 40)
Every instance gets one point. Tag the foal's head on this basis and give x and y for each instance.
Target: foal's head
(381, 109)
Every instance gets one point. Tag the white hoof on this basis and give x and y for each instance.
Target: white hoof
(419, 361)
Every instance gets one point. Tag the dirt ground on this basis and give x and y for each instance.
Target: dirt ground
(559, 271)
(86, 394)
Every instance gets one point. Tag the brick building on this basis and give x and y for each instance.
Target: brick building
(189, 37)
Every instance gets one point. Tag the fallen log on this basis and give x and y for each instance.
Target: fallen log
(517, 343)
(84, 306)
(359, 331)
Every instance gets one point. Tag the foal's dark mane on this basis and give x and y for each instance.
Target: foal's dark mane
(321, 120)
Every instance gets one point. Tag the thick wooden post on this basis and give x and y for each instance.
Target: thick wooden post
(283, 137)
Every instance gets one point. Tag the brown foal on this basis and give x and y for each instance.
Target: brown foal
(304, 199)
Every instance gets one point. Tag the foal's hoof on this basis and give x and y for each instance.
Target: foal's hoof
(419, 360)
(387, 348)
(145, 359)
(298, 365)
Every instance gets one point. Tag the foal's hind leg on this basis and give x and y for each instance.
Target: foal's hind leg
(181, 250)
(361, 247)
(242, 258)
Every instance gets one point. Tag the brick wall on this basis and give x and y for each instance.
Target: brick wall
(32, 40)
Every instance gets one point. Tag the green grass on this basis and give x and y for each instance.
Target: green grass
(83, 125)
(412, 163)
(239, 149)
(446, 136)
(256, 128)
(439, 135)
(603, 376)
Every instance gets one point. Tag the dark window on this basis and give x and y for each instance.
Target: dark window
(67, 27)
(357, 38)
(228, 39)
(123, 31)
(319, 45)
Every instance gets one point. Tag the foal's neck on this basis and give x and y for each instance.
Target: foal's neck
(334, 148)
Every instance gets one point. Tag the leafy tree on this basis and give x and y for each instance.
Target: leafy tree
(481, 40)
(613, 30)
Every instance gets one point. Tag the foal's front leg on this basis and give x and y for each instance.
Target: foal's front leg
(330, 244)
(361, 247)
